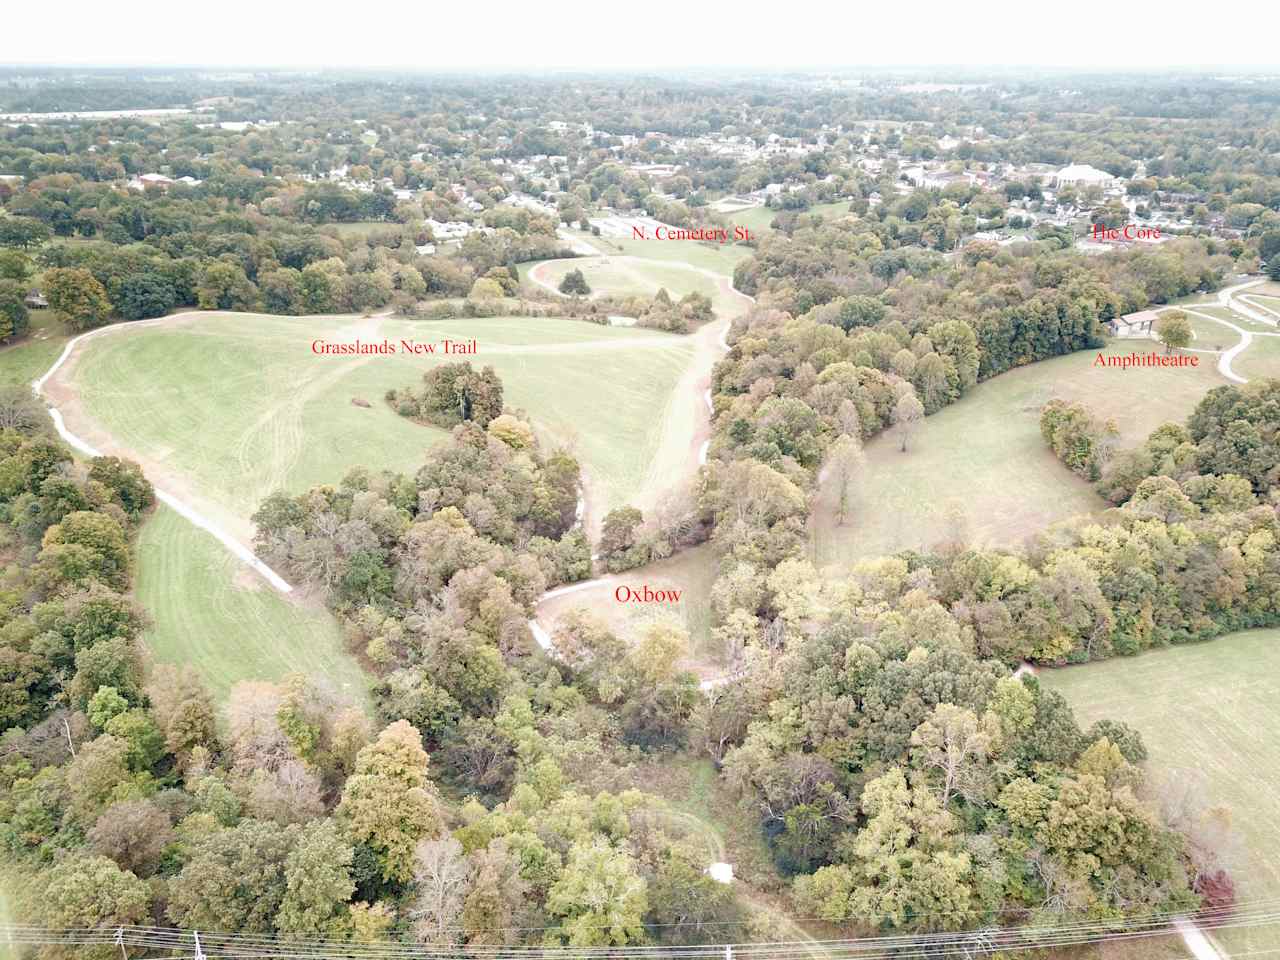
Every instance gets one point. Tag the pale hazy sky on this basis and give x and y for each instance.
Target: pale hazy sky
(649, 35)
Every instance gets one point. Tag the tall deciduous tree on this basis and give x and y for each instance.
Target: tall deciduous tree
(77, 297)
(844, 460)
(907, 414)
(14, 316)
(318, 882)
(234, 879)
(1174, 330)
(441, 874)
(388, 802)
(600, 897)
(92, 892)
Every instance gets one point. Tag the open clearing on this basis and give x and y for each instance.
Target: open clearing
(211, 612)
(719, 258)
(1209, 716)
(224, 409)
(630, 276)
(28, 358)
(692, 572)
(980, 469)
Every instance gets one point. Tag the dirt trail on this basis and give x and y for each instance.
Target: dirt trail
(54, 386)
(686, 433)
(684, 438)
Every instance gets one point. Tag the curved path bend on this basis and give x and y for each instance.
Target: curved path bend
(540, 632)
(239, 550)
(1227, 298)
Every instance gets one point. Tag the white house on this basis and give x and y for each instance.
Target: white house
(1082, 175)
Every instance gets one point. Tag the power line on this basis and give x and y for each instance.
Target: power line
(971, 943)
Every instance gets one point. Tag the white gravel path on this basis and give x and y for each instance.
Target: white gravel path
(241, 552)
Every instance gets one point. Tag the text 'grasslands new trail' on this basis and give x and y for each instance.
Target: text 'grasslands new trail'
(387, 347)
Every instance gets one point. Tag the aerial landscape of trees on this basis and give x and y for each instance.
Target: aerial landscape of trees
(877, 725)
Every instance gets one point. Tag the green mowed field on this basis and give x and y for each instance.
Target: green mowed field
(629, 276)
(717, 257)
(28, 358)
(755, 219)
(1268, 303)
(1245, 323)
(1210, 716)
(214, 613)
(980, 470)
(758, 219)
(1207, 335)
(361, 228)
(1261, 359)
(239, 406)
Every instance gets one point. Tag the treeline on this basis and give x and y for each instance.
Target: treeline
(834, 259)
(154, 253)
(124, 800)
(893, 733)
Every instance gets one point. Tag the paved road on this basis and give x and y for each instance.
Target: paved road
(1199, 945)
(1227, 298)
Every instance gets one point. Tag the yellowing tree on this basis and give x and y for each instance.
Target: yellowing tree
(388, 802)
(600, 897)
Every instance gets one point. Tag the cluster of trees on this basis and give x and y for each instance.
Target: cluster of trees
(1231, 433)
(123, 800)
(907, 778)
(987, 285)
(453, 393)
(910, 781)
(676, 316)
(1081, 441)
(575, 284)
(67, 626)
(436, 574)
(911, 784)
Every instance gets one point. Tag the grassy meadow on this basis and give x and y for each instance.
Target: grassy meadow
(1209, 717)
(212, 612)
(979, 469)
(238, 406)
(633, 275)
(28, 358)
(1261, 359)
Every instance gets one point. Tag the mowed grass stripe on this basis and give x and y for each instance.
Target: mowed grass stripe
(1208, 714)
(211, 612)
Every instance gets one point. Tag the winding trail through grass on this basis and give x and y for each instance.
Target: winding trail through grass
(692, 390)
(1227, 298)
(239, 550)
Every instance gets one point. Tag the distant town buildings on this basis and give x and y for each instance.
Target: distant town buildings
(1082, 175)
